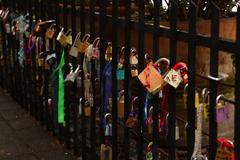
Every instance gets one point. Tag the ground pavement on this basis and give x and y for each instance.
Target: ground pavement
(23, 138)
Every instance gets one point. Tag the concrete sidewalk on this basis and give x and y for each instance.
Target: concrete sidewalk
(22, 138)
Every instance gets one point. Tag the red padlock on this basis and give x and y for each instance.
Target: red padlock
(183, 70)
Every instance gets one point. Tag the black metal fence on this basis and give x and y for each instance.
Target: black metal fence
(35, 82)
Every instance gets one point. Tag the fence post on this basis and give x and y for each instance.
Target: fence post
(191, 83)
(213, 83)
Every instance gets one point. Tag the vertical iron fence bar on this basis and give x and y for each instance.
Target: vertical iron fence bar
(191, 74)
(56, 127)
(12, 42)
(66, 135)
(72, 99)
(155, 97)
(102, 33)
(141, 58)
(4, 50)
(237, 90)
(40, 111)
(83, 120)
(34, 98)
(127, 75)
(75, 134)
(213, 84)
(92, 19)
(82, 16)
(114, 78)
(172, 92)
(93, 76)
(10, 49)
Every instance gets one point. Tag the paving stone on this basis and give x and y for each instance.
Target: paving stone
(1, 118)
(13, 149)
(23, 123)
(29, 134)
(23, 157)
(13, 114)
(6, 105)
(6, 138)
(44, 144)
(56, 155)
(5, 128)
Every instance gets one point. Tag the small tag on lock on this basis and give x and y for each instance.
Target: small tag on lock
(173, 78)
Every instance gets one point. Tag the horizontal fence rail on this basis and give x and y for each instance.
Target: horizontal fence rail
(67, 65)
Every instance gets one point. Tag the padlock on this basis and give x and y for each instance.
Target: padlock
(71, 77)
(134, 71)
(108, 54)
(50, 31)
(148, 153)
(132, 117)
(151, 79)
(96, 51)
(83, 45)
(173, 78)
(225, 149)
(120, 105)
(74, 48)
(65, 38)
(222, 111)
(133, 57)
(149, 121)
(37, 26)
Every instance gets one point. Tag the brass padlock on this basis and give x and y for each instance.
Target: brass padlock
(134, 71)
(83, 45)
(108, 55)
(40, 62)
(50, 31)
(65, 38)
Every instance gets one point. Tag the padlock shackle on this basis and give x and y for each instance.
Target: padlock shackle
(163, 59)
(185, 88)
(133, 51)
(77, 69)
(133, 101)
(69, 32)
(121, 94)
(204, 95)
(219, 97)
(105, 117)
(96, 42)
(183, 70)
(86, 38)
(77, 38)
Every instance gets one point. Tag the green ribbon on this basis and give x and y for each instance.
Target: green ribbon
(60, 89)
